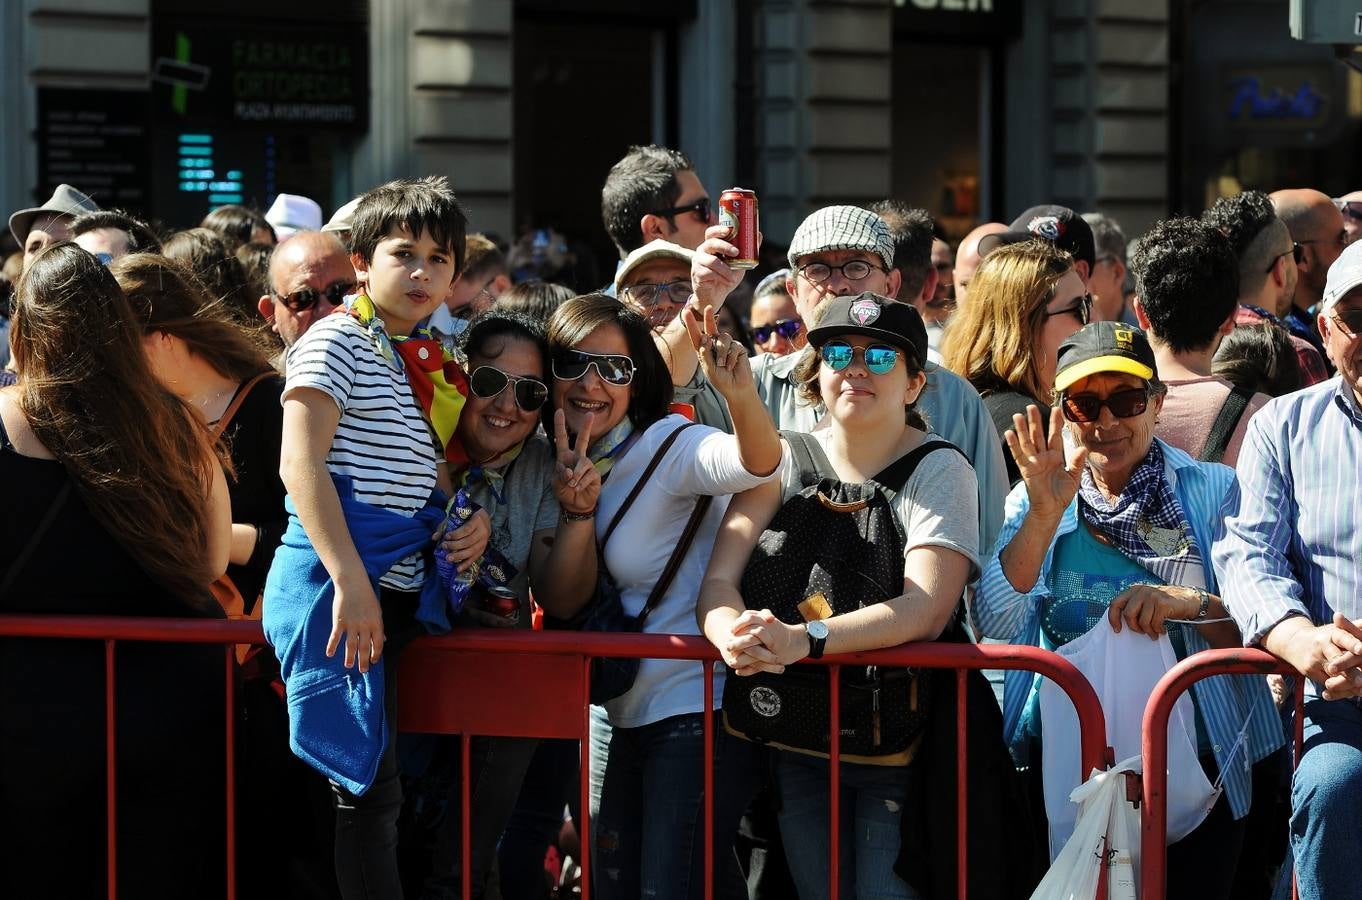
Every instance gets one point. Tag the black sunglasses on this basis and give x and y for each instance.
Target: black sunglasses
(1084, 408)
(614, 368)
(700, 207)
(489, 381)
(1082, 308)
(1349, 321)
(786, 328)
(1296, 251)
(304, 299)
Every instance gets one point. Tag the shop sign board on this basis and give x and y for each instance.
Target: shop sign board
(260, 73)
(977, 19)
(95, 140)
(1278, 98)
(1327, 21)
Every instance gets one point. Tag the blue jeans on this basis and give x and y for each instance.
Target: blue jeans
(649, 839)
(871, 799)
(1326, 802)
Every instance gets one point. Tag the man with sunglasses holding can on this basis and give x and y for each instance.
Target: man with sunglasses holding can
(310, 275)
(1287, 559)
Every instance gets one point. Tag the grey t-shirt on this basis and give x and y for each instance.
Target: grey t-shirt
(527, 505)
(937, 507)
(951, 407)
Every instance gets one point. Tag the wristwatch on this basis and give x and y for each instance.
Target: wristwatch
(818, 637)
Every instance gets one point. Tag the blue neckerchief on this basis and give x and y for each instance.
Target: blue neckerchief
(602, 451)
(1146, 523)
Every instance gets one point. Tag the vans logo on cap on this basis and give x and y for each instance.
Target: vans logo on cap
(863, 312)
(1048, 227)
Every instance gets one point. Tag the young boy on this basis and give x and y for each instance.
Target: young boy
(362, 466)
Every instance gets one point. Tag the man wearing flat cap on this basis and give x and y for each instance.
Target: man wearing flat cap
(840, 251)
(40, 226)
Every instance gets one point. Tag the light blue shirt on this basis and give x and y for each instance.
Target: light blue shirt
(1291, 538)
(1225, 702)
(951, 406)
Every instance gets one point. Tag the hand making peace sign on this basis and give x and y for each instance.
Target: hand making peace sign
(576, 483)
(722, 359)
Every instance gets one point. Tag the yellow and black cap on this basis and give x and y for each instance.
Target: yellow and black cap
(1105, 347)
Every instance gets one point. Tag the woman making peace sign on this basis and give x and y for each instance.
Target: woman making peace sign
(610, 380)
(540, 499)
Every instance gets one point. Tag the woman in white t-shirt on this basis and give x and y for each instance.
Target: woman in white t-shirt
(868, 373)
(610, 381)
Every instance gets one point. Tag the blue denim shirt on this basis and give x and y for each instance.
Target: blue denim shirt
(1224, 701)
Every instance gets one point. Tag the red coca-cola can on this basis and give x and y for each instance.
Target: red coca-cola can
(738, 210)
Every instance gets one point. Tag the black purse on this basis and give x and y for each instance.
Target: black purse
(612, 677)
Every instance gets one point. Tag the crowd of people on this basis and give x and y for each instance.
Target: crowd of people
(388, 424)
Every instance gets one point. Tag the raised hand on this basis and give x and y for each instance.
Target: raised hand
(1051, 483)
(711, 278)
(576, 483)
(722, 359)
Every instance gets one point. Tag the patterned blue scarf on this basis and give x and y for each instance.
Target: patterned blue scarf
(1146, 523)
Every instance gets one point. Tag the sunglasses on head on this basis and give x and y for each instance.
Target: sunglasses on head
(613, 368)
(304, 299)
(700, 207)
(879, 359)
(1084, 408)
(786, 328)
(489, 381)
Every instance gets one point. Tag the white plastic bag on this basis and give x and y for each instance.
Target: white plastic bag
(1106, 834)
(1123, 670)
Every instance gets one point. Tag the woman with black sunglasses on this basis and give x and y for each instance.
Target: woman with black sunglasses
(1025, 299)
(540, 497)
(610, 382)
(1118, 530)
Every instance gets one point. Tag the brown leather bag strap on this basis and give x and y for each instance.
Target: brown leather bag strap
(697, 515)
(642, 480)
(237, 399)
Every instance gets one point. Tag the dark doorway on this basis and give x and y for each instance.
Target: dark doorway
(586, 89)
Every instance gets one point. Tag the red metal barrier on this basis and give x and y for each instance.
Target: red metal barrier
(1154, 745)
(554, 669)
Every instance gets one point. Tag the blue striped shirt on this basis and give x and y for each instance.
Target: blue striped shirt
(1291, 539)
(1225, 702)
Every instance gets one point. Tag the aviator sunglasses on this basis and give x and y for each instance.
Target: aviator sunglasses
(786, 328)
(1085, 408)
(613, 368)
(489, 381)
(879, 359)
(304, 299)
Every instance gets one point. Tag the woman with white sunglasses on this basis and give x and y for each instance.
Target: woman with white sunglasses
(610, 382)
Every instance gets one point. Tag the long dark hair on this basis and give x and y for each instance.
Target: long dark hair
(650, 394)
(139, 458)
(165, 298)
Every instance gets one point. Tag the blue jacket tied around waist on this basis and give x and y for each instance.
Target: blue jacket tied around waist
(336, 720)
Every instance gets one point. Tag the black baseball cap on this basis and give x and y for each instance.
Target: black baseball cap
(1059, 225)
(1105, 347)
(875, 316)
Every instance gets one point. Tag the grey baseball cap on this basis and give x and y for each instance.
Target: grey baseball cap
(1344, 275)
(843, 228)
